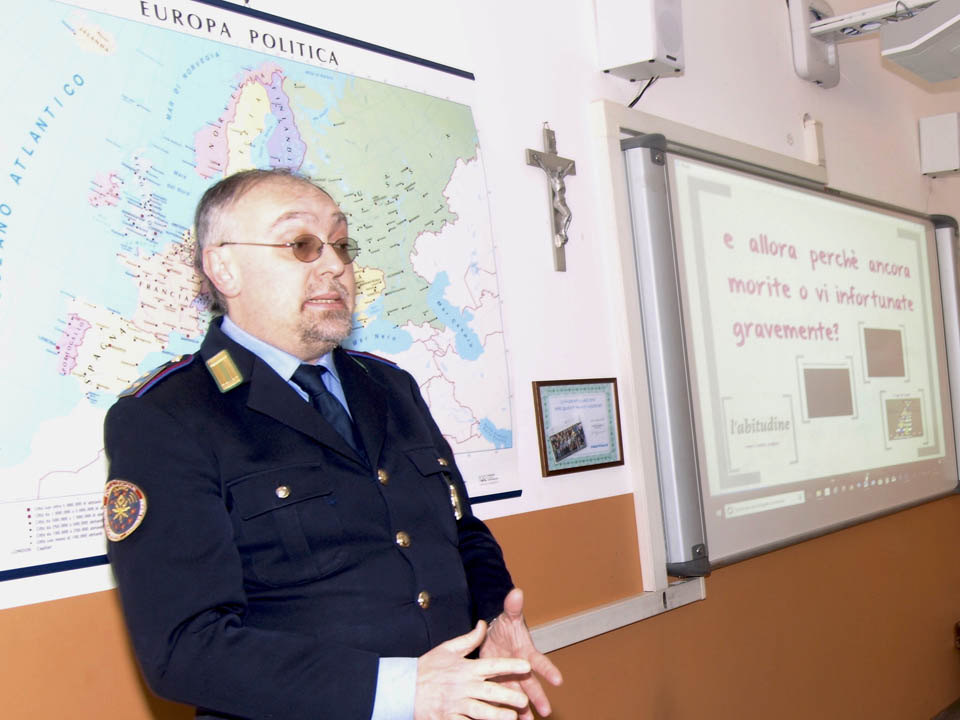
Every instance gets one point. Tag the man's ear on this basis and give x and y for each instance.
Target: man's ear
(222, 271)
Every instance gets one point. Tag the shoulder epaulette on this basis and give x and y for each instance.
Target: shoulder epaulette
(357, 354)
(148, 380)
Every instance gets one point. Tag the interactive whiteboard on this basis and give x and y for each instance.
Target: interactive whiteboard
(808, 337)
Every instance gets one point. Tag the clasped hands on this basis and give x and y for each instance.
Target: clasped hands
(500, 685)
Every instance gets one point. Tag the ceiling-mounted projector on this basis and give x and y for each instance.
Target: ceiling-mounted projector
(922, 36)
(927, 44)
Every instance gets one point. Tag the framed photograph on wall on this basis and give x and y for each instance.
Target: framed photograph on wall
(578, 425)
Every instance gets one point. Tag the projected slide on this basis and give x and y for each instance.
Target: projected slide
(812, 334)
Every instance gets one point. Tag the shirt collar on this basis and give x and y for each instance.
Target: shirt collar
(282, 362)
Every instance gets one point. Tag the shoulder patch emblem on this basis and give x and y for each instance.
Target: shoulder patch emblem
(357, 354)
(124, 507)
(149, 379)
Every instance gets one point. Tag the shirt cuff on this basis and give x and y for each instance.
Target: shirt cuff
(396, 689)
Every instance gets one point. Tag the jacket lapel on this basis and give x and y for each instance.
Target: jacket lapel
(270, 394)
(366, 399)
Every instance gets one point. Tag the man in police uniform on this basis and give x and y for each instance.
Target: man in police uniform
(282, 557)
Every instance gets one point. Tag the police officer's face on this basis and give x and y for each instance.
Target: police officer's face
(303, 308)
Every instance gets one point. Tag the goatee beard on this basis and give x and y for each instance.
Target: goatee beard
(330, 331)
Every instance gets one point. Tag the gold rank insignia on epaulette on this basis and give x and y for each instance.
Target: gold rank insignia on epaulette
(355, 355)
(455, 501)
(224, 371)
(148, 379)
(360, 363)
(454, 495)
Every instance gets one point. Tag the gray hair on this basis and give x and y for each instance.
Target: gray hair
(219, 199)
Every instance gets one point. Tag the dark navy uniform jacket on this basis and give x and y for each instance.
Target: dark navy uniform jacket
(274, 567)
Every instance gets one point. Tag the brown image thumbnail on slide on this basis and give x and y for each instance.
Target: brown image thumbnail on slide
(828, 392)
(904, 418)
(884, 350)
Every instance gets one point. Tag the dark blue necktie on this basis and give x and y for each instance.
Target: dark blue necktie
(310, 378)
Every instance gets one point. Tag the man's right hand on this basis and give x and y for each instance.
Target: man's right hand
(450, 686)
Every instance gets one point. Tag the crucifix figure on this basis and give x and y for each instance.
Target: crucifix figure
(557, 168)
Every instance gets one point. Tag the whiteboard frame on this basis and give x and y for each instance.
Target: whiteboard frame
(677, 529)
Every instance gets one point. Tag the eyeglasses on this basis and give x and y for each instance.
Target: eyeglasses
(308, 248)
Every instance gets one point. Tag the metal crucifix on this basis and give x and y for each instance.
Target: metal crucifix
(557, 168)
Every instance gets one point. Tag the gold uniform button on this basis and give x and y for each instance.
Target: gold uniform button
(283, 492)
(423, 599)
(382, 476)
(403, 540)
(443, 462)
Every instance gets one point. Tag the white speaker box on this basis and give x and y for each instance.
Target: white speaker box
(637, 39)
(940, 144)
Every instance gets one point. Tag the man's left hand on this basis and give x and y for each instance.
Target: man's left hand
(508, 636)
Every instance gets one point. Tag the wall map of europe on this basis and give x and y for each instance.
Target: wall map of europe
(110, 133)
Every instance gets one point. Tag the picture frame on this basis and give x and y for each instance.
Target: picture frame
(578, 425)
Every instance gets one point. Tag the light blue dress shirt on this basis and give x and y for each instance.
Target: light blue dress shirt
(396, 676)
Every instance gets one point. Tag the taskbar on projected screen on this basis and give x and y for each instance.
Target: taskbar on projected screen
(861, 490)
(747, 523)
